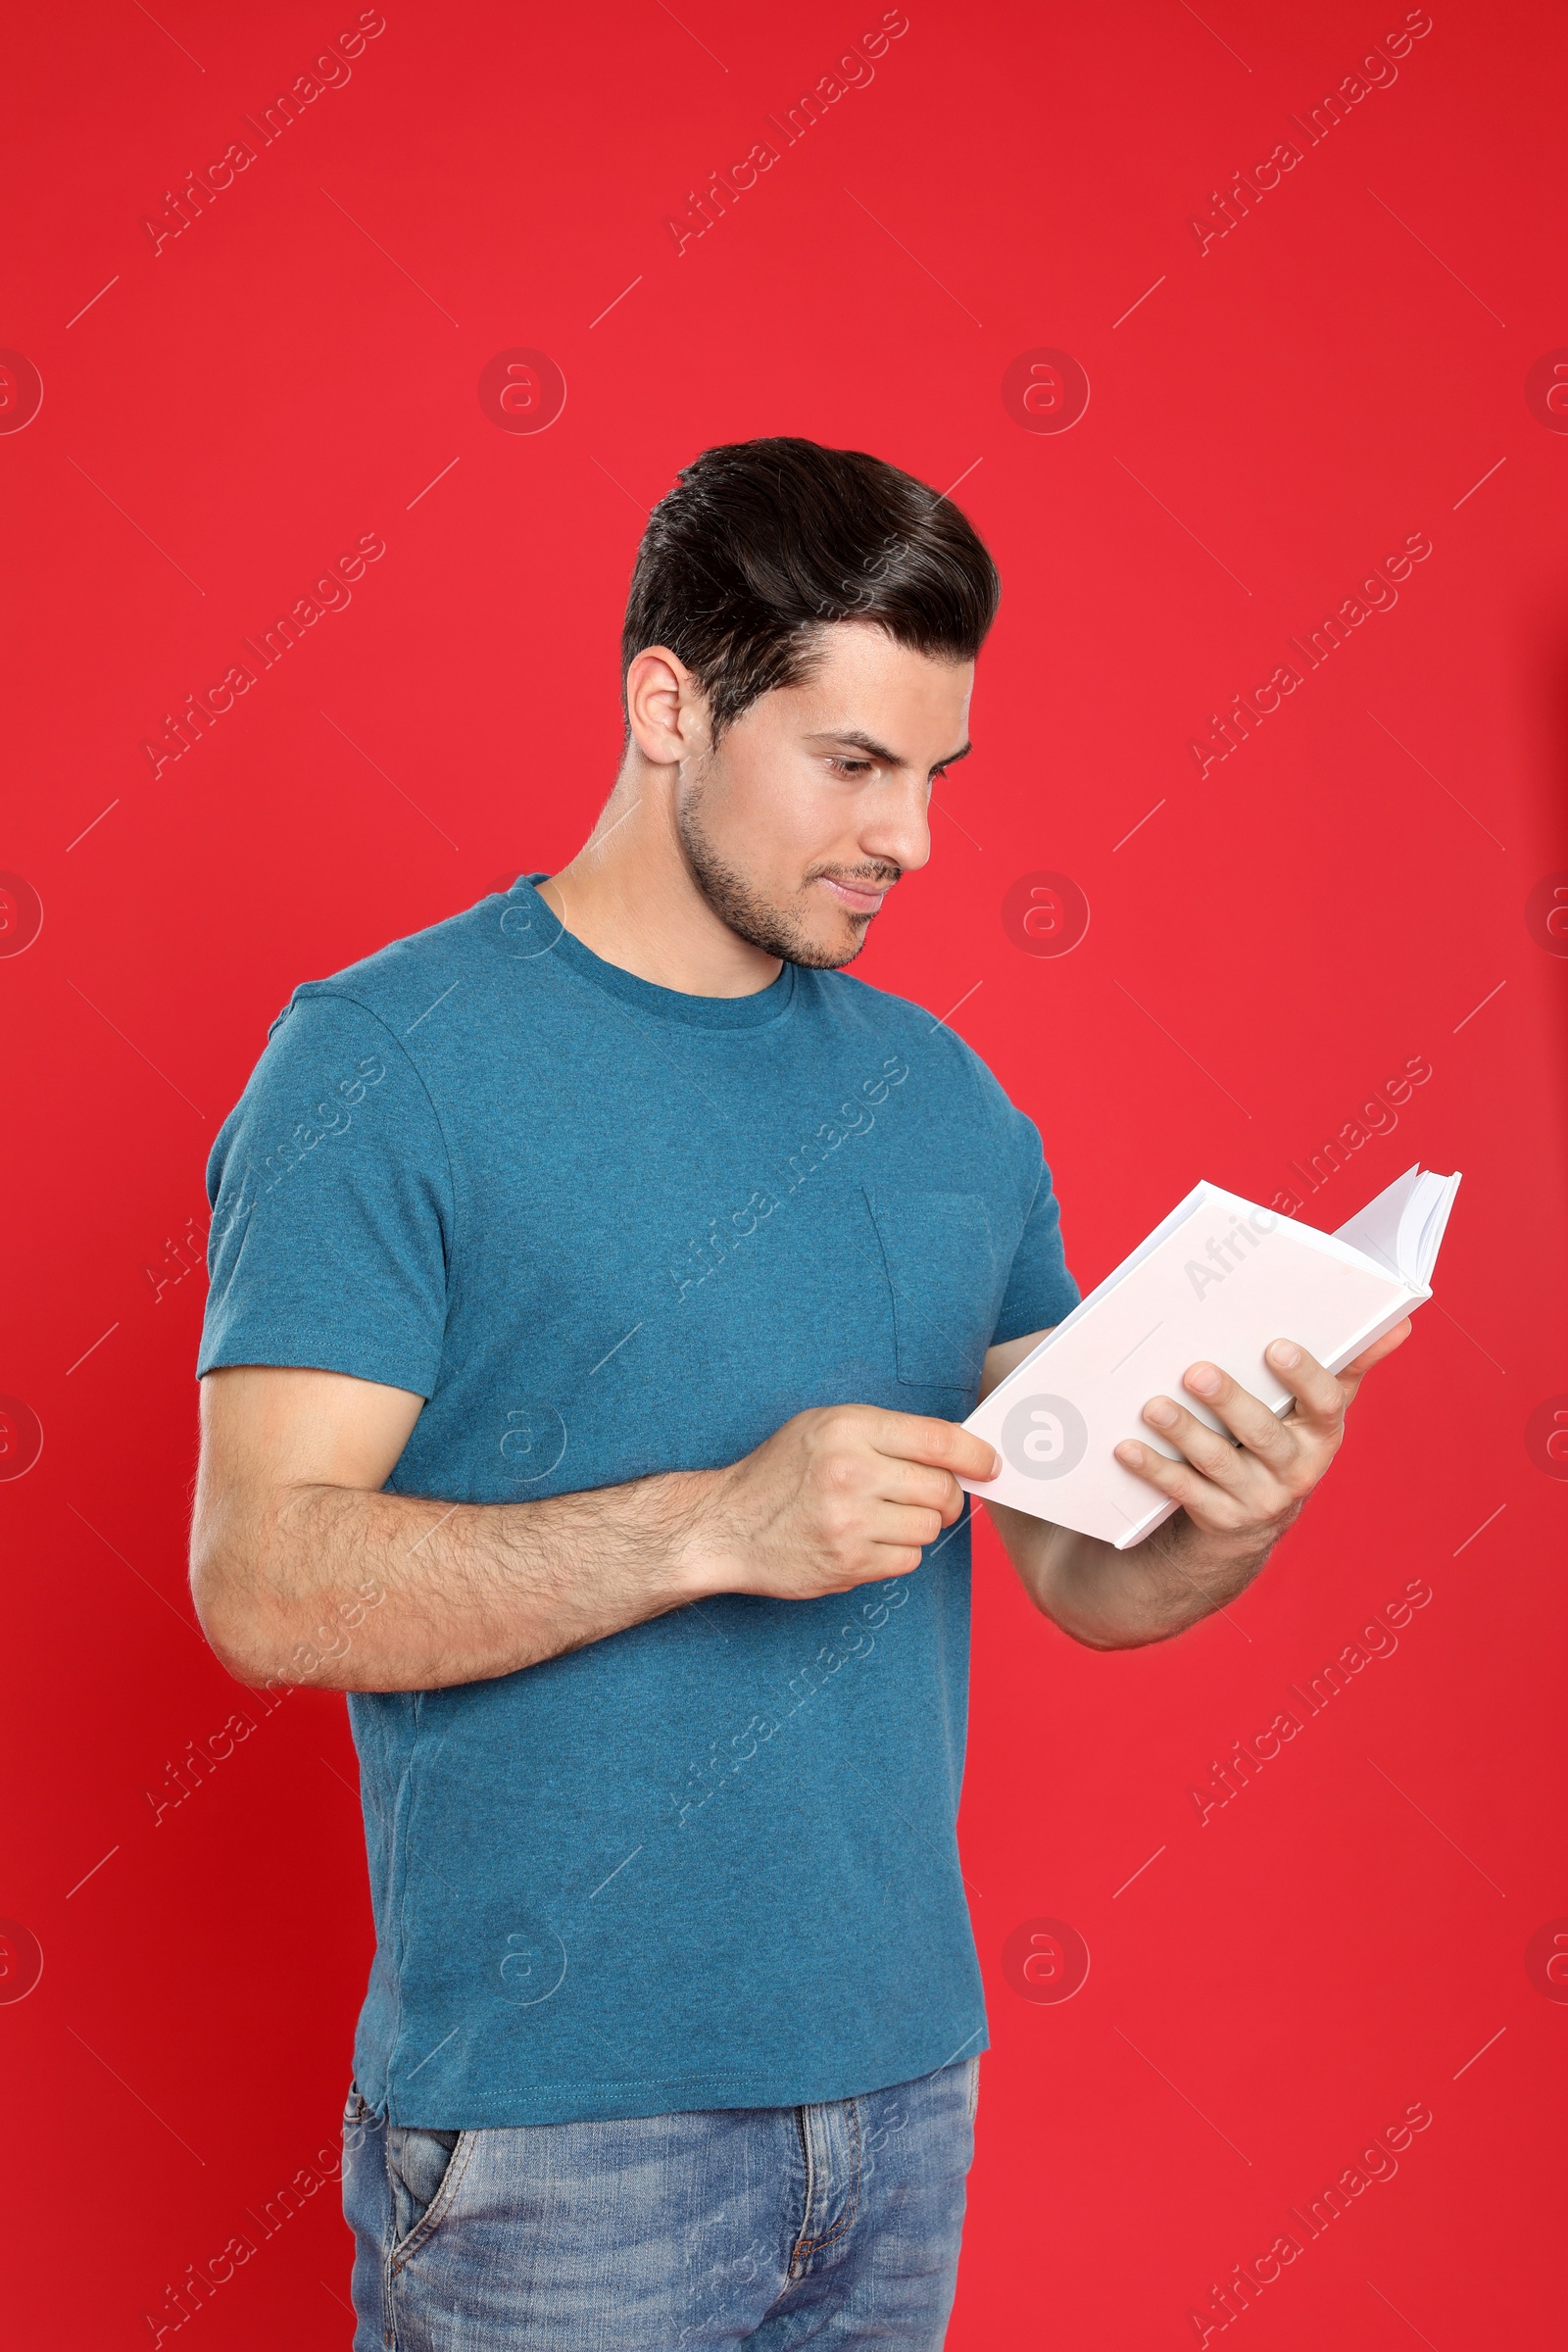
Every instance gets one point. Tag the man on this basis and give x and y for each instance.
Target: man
(599, 1281)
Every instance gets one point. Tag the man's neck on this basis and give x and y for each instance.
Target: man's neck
(629, 895)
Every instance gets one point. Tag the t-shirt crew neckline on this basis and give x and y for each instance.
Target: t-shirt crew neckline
(756, 1011)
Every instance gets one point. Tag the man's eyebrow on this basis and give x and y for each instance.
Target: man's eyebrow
(879, 751)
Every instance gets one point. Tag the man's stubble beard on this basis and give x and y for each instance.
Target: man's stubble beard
(752, 918)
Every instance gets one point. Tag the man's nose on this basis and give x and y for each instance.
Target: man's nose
(898, 828)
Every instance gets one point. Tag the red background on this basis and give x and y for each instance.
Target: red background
(1340, 894)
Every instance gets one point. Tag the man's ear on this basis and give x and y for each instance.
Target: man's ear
(666, 709)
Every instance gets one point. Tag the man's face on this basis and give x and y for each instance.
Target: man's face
(815, 801)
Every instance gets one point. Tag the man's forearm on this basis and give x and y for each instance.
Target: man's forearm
(1112, 1600)
(356, 1591)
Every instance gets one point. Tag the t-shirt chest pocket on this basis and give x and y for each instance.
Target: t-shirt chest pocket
(945, 1280)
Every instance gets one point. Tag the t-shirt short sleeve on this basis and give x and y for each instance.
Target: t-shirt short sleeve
(332, 1206)
(1040, 1289)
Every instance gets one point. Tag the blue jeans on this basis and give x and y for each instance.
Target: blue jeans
(771, 2227)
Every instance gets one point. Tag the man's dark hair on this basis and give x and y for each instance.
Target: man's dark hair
(761, 542)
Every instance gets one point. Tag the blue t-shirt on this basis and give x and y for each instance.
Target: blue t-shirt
(606, 1230)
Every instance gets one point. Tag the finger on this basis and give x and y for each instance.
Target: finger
(882, 1561)
(918, 1438)
(1247, 1417)
(1203, 1499)
(1351, 1377)
(1320, 1401)
(903, 1524)
(916, 1483)
(1380, 1348)
(1209, 1451)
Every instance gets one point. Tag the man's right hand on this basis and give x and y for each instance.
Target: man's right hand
(306, 1567)
(840, 1496)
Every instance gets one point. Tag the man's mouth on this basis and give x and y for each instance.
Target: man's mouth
(857, 898)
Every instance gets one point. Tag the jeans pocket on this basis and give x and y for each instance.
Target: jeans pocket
(423, 2169)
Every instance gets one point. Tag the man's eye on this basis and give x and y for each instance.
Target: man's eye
(852, 767)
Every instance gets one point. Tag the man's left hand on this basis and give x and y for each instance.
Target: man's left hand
(1248, 1492)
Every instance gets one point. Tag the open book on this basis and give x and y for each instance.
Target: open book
(1218, 1279)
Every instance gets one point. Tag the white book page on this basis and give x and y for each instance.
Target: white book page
(1376, 1228)
(1202, 1204)
(1167, 1225)
(1434, 1224)
(1225, 1279)
(1219, 1277)
(1403, 1229)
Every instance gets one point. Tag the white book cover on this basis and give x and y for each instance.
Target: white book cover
(1216, 1280)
